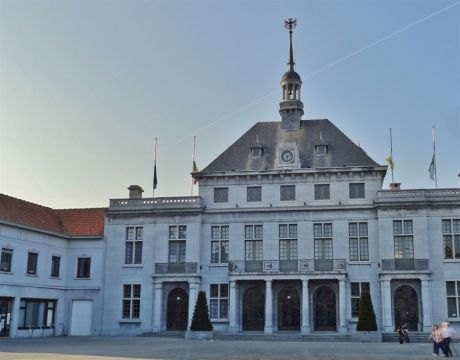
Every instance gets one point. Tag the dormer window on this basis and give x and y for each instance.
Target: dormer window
(321, 150)
(257, 152)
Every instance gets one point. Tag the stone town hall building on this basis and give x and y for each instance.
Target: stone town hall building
(290, 226)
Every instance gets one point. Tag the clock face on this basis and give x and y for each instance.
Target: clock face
(287, 156)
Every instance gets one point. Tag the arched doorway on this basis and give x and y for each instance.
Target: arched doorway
(177, 310)
(288, 309)
(324, 309)
(253, 309)
(406, 307)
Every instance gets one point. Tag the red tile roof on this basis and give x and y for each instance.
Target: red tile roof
(70, 222)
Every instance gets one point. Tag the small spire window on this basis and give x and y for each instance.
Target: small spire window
(321, 150)
(257, 151)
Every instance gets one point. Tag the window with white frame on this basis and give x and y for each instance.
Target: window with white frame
(322, 233)
(453, 299)
(177, 243)
(131, 301)
(287, 242)
(83, 267)
(403, 239)
(219, 244)
(451, 238)
(359, 247)
(6, 257)
(357, 288)
(218, 301)
(133, 244)
(253, 247)
(36, 313)
(55, 266)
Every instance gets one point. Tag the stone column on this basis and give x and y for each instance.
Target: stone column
(268, 307)
(305, 308)
(426, 306)
(192, 296)
(232, 311)
(157, 307)
(386, 306)
(342, 307)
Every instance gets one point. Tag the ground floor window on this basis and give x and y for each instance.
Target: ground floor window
(219, 301)
(36, 313)
(356, 289)
(131, 301)
(453, 299)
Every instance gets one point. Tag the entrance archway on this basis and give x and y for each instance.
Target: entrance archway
(406, 307)
(325, 317)
(177, 310)
(288, 309)
(253, 309)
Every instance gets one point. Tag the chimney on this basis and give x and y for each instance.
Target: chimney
(395, 186)
(135, 192)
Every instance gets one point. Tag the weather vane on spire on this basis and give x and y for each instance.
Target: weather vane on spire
(290, 24)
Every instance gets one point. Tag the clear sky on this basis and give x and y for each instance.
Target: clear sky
(86, 86)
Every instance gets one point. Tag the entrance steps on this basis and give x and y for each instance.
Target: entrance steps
(283, 336)
(414, 336)
(168, 334)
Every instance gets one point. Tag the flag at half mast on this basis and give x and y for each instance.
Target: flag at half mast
(194, 170)
(432, 168)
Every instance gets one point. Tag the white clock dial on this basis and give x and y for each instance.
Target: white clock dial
(287, 156)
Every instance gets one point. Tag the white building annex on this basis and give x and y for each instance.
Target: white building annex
(291, 225)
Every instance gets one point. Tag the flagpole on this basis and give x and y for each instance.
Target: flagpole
(434, 157)
(154, 168)
(391, 155)
(193, 161)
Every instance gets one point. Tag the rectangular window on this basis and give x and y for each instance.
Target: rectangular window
(359, 248)
(220, 195)
(451, 238)
(403, 239)
(133, 245)
(131, 301)
(287, 192)
(218, 301)
(253, 247)
(356, 289)
(356, 191)
(322, 233)
(288, 247)
(55, 266)
(5, 262)
(322, 192)
(32, 259)
(254, 193)
(83, 268)
(219, 244)
(453, 299)
(36, 313)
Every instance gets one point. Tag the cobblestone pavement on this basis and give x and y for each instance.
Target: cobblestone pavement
(104, 348)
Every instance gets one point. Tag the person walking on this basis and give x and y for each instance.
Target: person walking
(447, 334)
(436, 336)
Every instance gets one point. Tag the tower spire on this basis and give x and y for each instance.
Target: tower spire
(290, 24)
(291, 107)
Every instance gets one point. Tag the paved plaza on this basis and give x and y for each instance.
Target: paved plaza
(103, 348)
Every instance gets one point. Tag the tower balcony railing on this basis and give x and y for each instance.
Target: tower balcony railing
(302, 266)
(176, 268)
(404, 264)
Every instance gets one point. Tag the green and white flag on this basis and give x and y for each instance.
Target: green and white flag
(390, 162)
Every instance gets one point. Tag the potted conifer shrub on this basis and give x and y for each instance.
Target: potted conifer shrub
(201, 327)
(367, 324)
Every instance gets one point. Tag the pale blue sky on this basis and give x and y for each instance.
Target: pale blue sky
(86, 86)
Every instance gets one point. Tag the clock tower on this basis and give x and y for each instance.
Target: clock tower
(291, 107)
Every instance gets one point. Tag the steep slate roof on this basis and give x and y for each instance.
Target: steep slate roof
(341, 150)
(70, 222)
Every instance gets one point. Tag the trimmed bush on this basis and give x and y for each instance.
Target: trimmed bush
(366, 321)
(200, 320)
